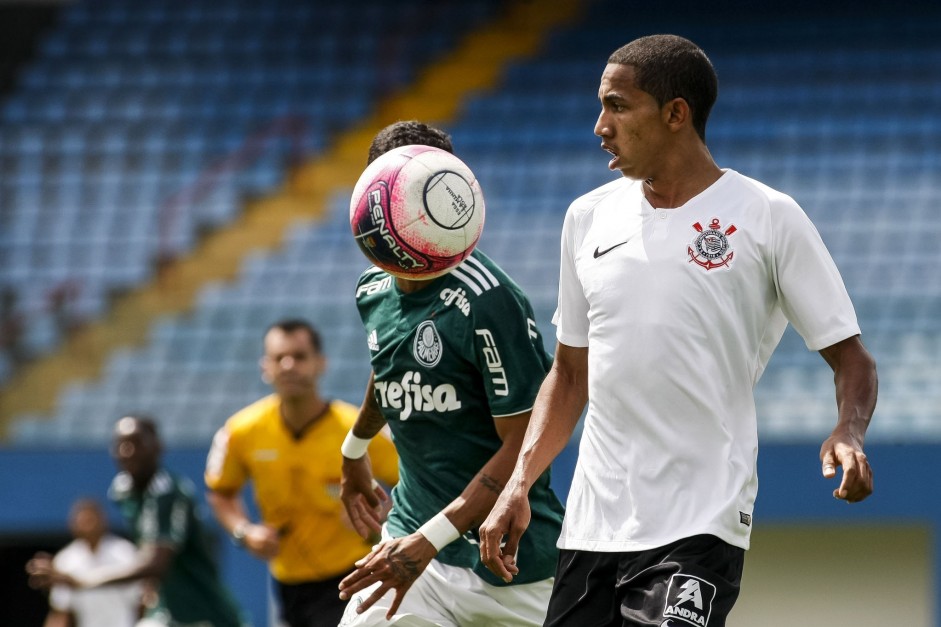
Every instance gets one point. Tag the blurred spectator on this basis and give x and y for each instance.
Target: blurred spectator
(172, 543)
(93, 548)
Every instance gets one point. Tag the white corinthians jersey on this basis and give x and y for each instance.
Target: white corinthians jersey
(680, 310)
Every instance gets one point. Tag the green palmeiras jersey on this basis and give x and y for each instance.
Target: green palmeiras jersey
(165, 514)
(448, 360)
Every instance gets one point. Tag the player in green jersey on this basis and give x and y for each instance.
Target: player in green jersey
(457, 362)
(173, 546)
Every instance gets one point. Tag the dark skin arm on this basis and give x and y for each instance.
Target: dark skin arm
(398, 563)
(260, 540)
(58, 618)
(361, 495)
(153, 562)
(559, 405)
(857, 385)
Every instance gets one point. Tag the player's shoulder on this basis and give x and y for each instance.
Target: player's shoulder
(749, 187)
(71, 555)
(477, 281)
(587, 203)
(161, 485)
(372, 281)
(253, 416)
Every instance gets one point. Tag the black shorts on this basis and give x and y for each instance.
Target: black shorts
(693, 582)
(311, 603)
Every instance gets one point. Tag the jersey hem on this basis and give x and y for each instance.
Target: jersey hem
(628, 546)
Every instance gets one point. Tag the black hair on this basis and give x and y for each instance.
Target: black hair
(290, 325)
(408, 133)
(668, 67)
(147, 424)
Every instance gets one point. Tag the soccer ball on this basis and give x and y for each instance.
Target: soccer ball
(417, 211)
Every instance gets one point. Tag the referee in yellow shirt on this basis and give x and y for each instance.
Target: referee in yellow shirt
(288, 444)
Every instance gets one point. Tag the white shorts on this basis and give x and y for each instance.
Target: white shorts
(448, 596)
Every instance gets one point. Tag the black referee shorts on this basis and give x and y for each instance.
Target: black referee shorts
(693, 582)
(311, 603)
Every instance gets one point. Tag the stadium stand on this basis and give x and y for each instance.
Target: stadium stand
(138, 127)
(840, 112)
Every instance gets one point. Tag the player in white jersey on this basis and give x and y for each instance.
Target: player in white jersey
(94, 548)
(676, 284)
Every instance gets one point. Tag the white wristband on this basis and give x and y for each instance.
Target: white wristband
(439, 531)
(354, 447)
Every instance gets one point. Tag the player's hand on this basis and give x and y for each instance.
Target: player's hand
(509, 518)
(396, 564)
(844, 450)
(362, 496)
(262, 541)
(42, 574)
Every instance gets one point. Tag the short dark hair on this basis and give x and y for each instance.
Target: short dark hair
(146, 424)
(408, 133)
(668, 67)
(290, 325)
(87, 503)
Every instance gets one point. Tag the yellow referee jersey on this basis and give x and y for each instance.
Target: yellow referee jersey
(297, 484)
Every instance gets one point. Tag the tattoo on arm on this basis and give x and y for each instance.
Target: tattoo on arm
(494, 486)
(491, 484)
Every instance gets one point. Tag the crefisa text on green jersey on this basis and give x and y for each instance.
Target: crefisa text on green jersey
(410, 395)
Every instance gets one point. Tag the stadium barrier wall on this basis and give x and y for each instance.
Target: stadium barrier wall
(38, 486)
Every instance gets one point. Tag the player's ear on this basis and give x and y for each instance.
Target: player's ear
(676, 113)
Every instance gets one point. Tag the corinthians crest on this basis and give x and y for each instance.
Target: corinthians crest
(710, 249)
(427, 345)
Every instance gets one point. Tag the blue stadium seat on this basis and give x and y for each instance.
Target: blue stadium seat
(839, 113)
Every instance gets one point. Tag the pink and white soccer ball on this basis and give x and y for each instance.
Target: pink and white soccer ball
(417, 211)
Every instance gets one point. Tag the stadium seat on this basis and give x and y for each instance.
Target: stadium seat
(839, 113)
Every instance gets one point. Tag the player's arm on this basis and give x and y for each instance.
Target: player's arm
(165, 528)
(469, 509)
(152, 561)
(399, 562)
(229, 509)
(854, 374)
(559, 405)
(58, 618)
(362, 496)
(224, 476)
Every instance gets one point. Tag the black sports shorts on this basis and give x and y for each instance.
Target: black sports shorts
(693, 582)
(311, 603)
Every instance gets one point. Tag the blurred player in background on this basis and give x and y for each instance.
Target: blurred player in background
(288, 445)
(677, 282)
(172, 543)
(457, 445)
(93, 548)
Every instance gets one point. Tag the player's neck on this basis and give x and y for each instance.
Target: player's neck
(408, 286)
(93, 543)
(682, 179)
(300, 413)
